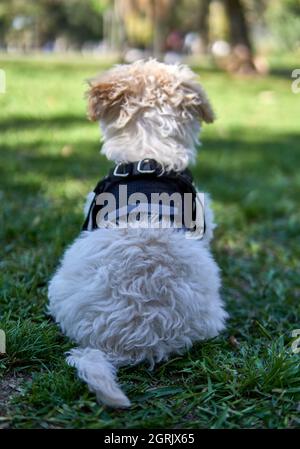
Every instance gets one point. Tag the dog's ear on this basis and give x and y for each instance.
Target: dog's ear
(105, 98)
(196, 101)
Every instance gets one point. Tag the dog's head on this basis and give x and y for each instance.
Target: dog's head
(147, 107)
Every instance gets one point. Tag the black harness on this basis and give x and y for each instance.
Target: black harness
(146, 176)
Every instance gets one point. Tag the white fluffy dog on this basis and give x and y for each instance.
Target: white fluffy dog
(133, 295)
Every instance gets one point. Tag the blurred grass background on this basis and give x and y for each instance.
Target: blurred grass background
(249, 163)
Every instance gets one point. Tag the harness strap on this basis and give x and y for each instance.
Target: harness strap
(145, 168)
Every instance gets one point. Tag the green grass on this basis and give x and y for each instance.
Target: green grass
(250, 165)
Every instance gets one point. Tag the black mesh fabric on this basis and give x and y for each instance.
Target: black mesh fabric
(148, 184)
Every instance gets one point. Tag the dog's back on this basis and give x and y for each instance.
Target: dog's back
(136, 294)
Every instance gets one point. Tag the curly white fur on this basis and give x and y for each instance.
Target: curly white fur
(150, 110)
(132, 295)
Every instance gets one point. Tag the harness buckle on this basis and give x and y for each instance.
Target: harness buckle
(148, 162)
(118, 173)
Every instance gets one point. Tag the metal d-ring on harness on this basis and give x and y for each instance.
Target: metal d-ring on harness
(144, 176)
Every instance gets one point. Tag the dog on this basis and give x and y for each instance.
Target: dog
(127, 295)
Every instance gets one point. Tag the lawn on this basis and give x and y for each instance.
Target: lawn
(249, 162)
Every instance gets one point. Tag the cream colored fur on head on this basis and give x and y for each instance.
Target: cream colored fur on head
(131, 295)
(149, 109)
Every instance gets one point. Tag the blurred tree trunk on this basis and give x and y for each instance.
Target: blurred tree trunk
(239, 35)
(203, 23)
(113, 28)
(161, 15)
(158, 30)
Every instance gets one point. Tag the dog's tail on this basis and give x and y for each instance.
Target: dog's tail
(100, 375)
